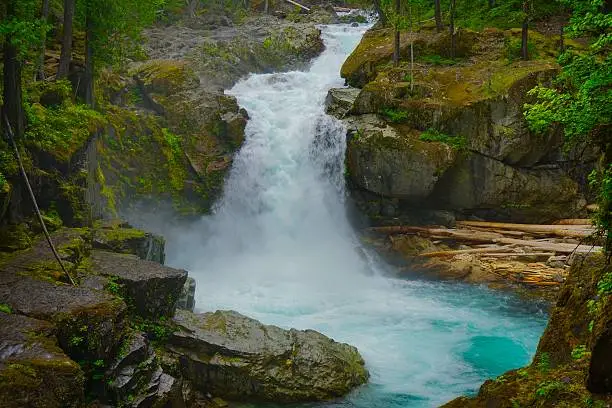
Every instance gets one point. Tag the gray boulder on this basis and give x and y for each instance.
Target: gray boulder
(152, 289)
(339, 101)
(89, 322)
(527, 195)
(238, 358)
(386, 161)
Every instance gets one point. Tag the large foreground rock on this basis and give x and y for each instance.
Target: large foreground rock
(89, 322)
(239, 358)
(34, 371)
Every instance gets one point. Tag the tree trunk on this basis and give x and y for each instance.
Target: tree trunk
(12, 93)
(561, 40)
(66, 54)
(40, 71)
(381, 16)
(396, 37)
(491, 3)
(89, 62)
(438, 16)
(452, 29)
(525, 32)
(192, 5)
(266, 6)
(411, 51)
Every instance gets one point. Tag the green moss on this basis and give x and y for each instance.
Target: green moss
(16, 237)
(433, 135)
(61, 130)
(394, 115)
(166, 76)
(4, 308)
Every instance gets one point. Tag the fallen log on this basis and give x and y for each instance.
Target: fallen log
(509, 254)
(551, 246)
(579, 231)
(297, 4)
(440, 233)
(574, 221)
(442, 254)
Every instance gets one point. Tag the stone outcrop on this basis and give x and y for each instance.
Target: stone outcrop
(450, 135)
(491, 188)
(389, 161)
(48, 325)
(151, 289)
(126, 240)
(239, 358)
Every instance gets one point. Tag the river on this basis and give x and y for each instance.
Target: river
(279, 248)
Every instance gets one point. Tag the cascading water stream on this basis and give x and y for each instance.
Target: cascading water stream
(279, 249)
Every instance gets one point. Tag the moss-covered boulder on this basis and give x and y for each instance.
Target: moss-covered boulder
(89, 322)
(34, 371)
(128, 240)
(392, 161)
(239, 358)
(150, 289)
(376, 49)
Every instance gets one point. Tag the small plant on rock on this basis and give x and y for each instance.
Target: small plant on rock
(548, 388)
(395, 115)
(579, 352)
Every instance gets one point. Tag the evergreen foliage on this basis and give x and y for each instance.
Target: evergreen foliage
(580, 101)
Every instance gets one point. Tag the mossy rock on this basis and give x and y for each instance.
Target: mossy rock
(133, 241)
(89, 322)
(376, 49)
(150, 289)
(238, 358)
(393, 162)
(34, 371)
(166, 77)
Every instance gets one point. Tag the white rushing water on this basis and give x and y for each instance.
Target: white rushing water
(279, 249)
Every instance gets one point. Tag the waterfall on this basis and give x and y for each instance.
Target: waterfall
(279, 248)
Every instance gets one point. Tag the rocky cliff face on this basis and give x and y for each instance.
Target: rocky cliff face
(571, 366)
(450, 134)
(173, 131)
